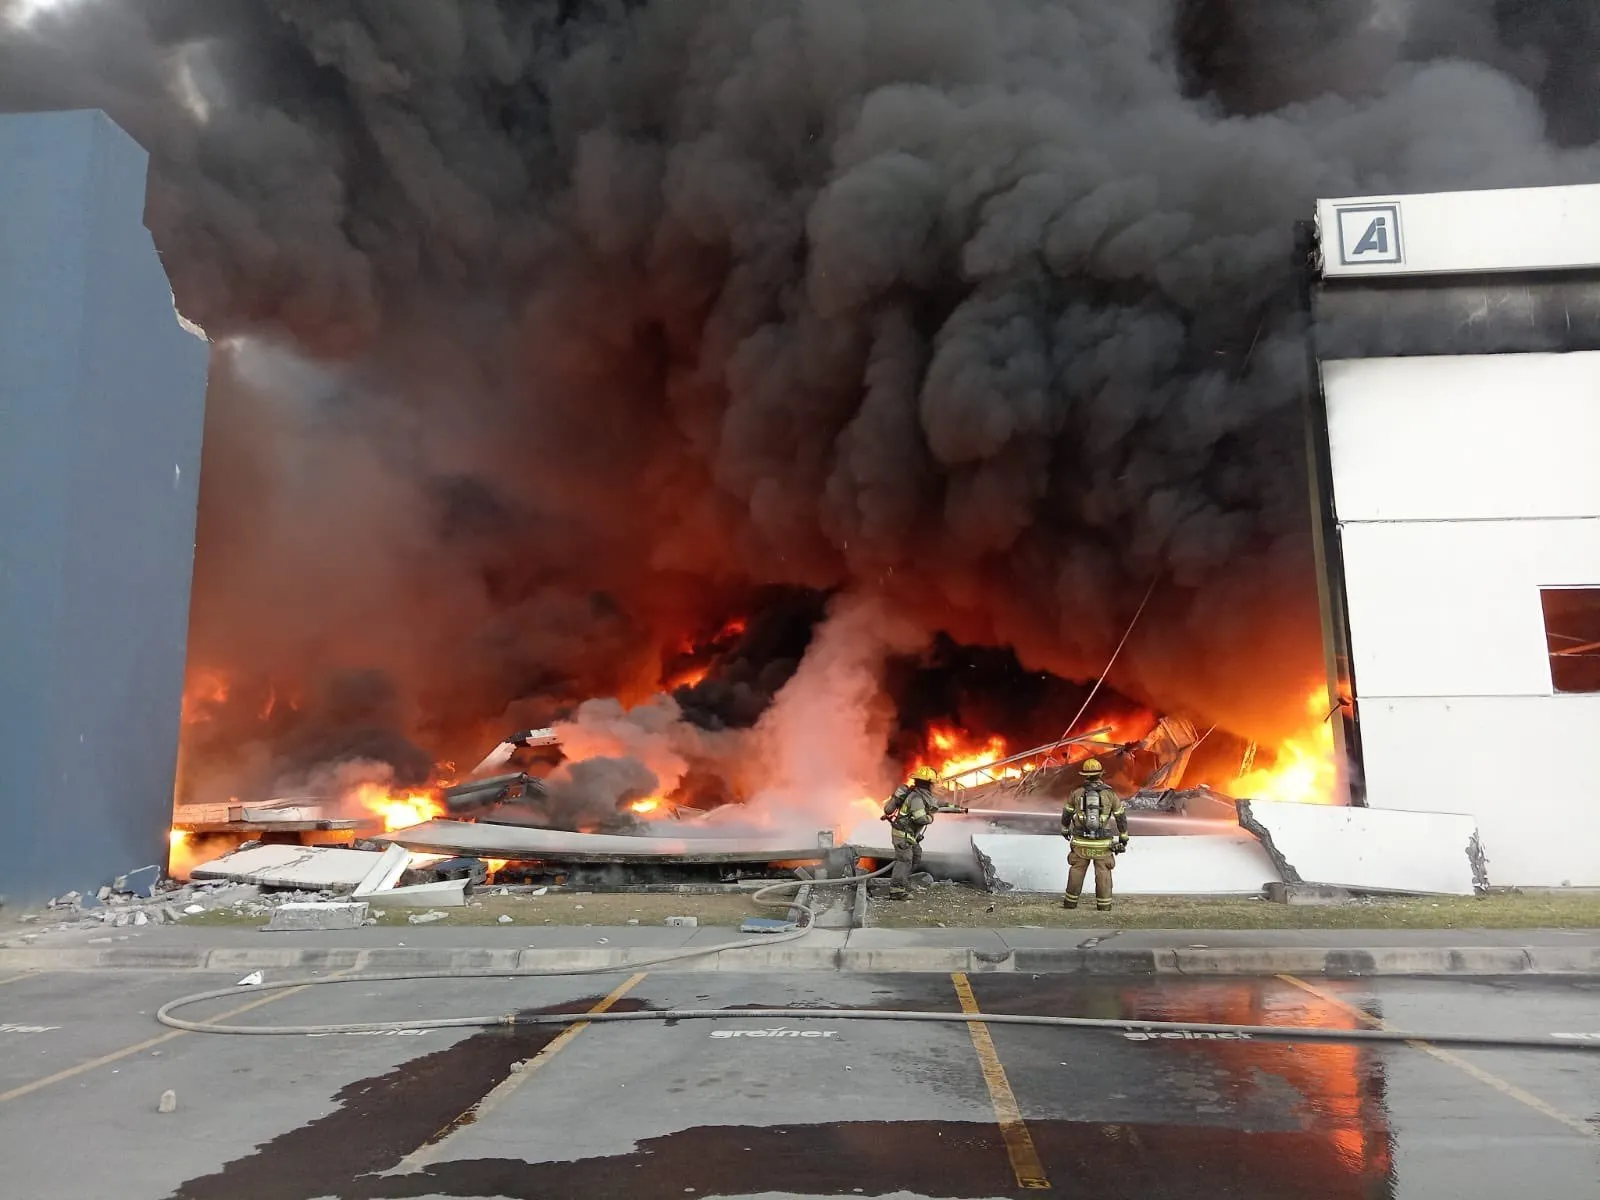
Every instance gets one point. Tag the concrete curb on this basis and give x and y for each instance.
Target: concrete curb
(836, 954)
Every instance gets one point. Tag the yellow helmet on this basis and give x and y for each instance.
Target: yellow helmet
(924, 775)
(1091, 766)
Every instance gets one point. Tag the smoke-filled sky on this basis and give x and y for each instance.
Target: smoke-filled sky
(549, 331)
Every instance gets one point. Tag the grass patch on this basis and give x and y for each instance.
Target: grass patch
(953, 906)
(956, 907)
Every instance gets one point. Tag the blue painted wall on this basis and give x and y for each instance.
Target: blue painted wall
(102, 401)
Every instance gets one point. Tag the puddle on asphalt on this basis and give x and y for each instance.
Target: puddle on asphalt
(945, 1159)
(382, 1119)
(1277, 1122)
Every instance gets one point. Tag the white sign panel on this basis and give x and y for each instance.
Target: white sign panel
(1442, 233)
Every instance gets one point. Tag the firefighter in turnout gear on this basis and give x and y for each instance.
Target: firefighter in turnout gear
(1096, 828)
(909, 813)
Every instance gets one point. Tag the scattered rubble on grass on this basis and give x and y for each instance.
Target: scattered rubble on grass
(318, 915)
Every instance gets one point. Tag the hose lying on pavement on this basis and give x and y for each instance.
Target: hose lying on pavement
(1152, 1029)
(761, 898)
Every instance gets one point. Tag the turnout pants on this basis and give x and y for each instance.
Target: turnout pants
(1078, 866)
(907, 859)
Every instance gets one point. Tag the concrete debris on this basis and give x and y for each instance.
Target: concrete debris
(680, 922)
(329, 868)
(427, 918)
(251, 980)
(1212, 865)
(141, 883)
(140, 918)
(503, 919)
(194, 909)
(347, 914)
(539, 891)
(105, 892)
(557, 845)
(1307, 895)
(446, 893)
(289, 815)
(168, 1102)
(766, 925)
(385, 873)
(1368, 849)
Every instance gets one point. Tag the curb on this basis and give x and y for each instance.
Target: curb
(840, 956)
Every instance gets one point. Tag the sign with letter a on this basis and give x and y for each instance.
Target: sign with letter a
(1369, 233)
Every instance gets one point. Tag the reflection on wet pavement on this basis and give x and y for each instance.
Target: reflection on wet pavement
(1111, 1116)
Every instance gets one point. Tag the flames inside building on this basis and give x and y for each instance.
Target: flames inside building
(796, 713)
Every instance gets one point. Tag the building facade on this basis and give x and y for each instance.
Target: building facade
(1456, 438)
(102, 401)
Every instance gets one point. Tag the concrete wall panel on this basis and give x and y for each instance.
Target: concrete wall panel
(1524, 767)
(1470, 437)
(1451, 608)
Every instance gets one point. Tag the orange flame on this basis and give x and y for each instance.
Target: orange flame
(398, 810)
(1304, 771)
(648, 805)
(952, 751)
(206, 691)
(687, 679)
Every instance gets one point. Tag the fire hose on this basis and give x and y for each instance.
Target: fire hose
(1127, 1026)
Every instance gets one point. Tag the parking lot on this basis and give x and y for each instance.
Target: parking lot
(742, 1107)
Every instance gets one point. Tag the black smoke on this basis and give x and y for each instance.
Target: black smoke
(551, 328)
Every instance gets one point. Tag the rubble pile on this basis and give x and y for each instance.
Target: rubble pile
(166, 904)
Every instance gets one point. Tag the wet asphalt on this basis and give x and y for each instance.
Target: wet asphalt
(653, 1110)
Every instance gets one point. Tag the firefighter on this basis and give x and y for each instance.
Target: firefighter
(909, 813)
(1096, 828)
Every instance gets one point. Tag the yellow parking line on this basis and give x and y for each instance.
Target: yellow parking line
(1503, 1086)
(148, 1044)
(1024, 1157)
(15, 978)
(497, 1095)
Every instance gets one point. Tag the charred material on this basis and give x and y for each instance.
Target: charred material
(481, 795)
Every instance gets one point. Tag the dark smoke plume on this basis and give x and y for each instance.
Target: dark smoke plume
(549, 328)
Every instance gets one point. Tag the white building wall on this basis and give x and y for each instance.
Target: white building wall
(1462, 487)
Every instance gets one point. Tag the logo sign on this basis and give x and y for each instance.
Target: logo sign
(1184, 1035)
(772, 1033)
(1369, 234)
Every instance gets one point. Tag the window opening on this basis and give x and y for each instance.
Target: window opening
(1572, 636)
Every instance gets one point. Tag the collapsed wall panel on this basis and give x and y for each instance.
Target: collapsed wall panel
(310, 868)
(522, 843)
(1368, 849)
(1179, 865)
